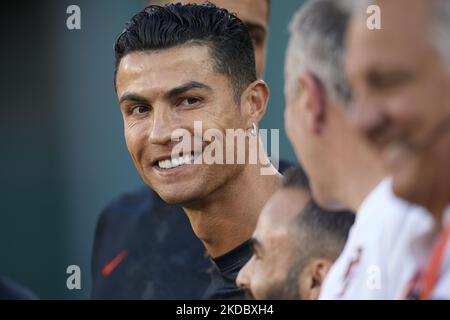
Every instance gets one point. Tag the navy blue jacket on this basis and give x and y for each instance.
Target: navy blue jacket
(10, 290)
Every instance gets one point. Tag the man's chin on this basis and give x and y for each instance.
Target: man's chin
(286, 291)
(174, 199)
(324, 198)
(177, 197)
(249, 295)
(406, 185)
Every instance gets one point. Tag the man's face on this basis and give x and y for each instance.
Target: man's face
(166, 90)
(401, 92)
(266, 275)
(255, 15)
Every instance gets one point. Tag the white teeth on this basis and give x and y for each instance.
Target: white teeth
(175, 162)
(167, 164)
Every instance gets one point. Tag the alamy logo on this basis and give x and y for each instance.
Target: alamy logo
(373, 278)
(73, 21)
(212, 146)
(74, 279)
(373, 21)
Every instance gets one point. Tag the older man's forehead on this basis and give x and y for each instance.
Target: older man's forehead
(382, 48)
(414, 17)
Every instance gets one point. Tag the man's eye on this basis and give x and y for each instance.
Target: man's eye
(189, 102)
(139, 110)
(388, 80)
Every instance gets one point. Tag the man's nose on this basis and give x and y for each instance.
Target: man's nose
(365, 114)
(161, 128)
(243, 278)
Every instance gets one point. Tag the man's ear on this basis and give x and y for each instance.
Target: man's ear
(254, 102)
(312, 278)
(313, 97)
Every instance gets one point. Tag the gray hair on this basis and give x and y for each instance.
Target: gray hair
(317, 45)
(441, 29)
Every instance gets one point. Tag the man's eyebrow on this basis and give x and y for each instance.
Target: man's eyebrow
(132, 97)
(185, 87)
(170, 94)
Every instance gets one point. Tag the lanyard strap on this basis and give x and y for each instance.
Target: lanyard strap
(431, 274)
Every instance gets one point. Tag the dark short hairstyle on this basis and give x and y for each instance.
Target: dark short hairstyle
(295, 177)
(164, 27)
(322, 233)
(159, 2)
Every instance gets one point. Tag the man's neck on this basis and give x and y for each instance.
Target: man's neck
(439, 205)
(227, 218)
(358, 167)
(363, 176)
(434, 193)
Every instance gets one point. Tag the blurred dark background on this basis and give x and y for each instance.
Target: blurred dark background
(63, 155)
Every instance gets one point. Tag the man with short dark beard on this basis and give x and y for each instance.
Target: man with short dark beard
(294, 244)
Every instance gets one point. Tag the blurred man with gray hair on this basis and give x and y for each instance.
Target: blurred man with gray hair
(401, 80)
(317, 95)
(344, 170)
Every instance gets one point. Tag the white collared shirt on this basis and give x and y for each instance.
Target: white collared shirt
(378, 260)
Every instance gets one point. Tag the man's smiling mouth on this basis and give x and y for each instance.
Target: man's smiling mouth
(175, 162)
(396, 153)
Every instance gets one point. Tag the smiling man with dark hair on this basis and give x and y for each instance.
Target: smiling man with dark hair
(206, 58)
(175, 65)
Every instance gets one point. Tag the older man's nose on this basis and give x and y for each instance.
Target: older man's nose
(365, 115)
